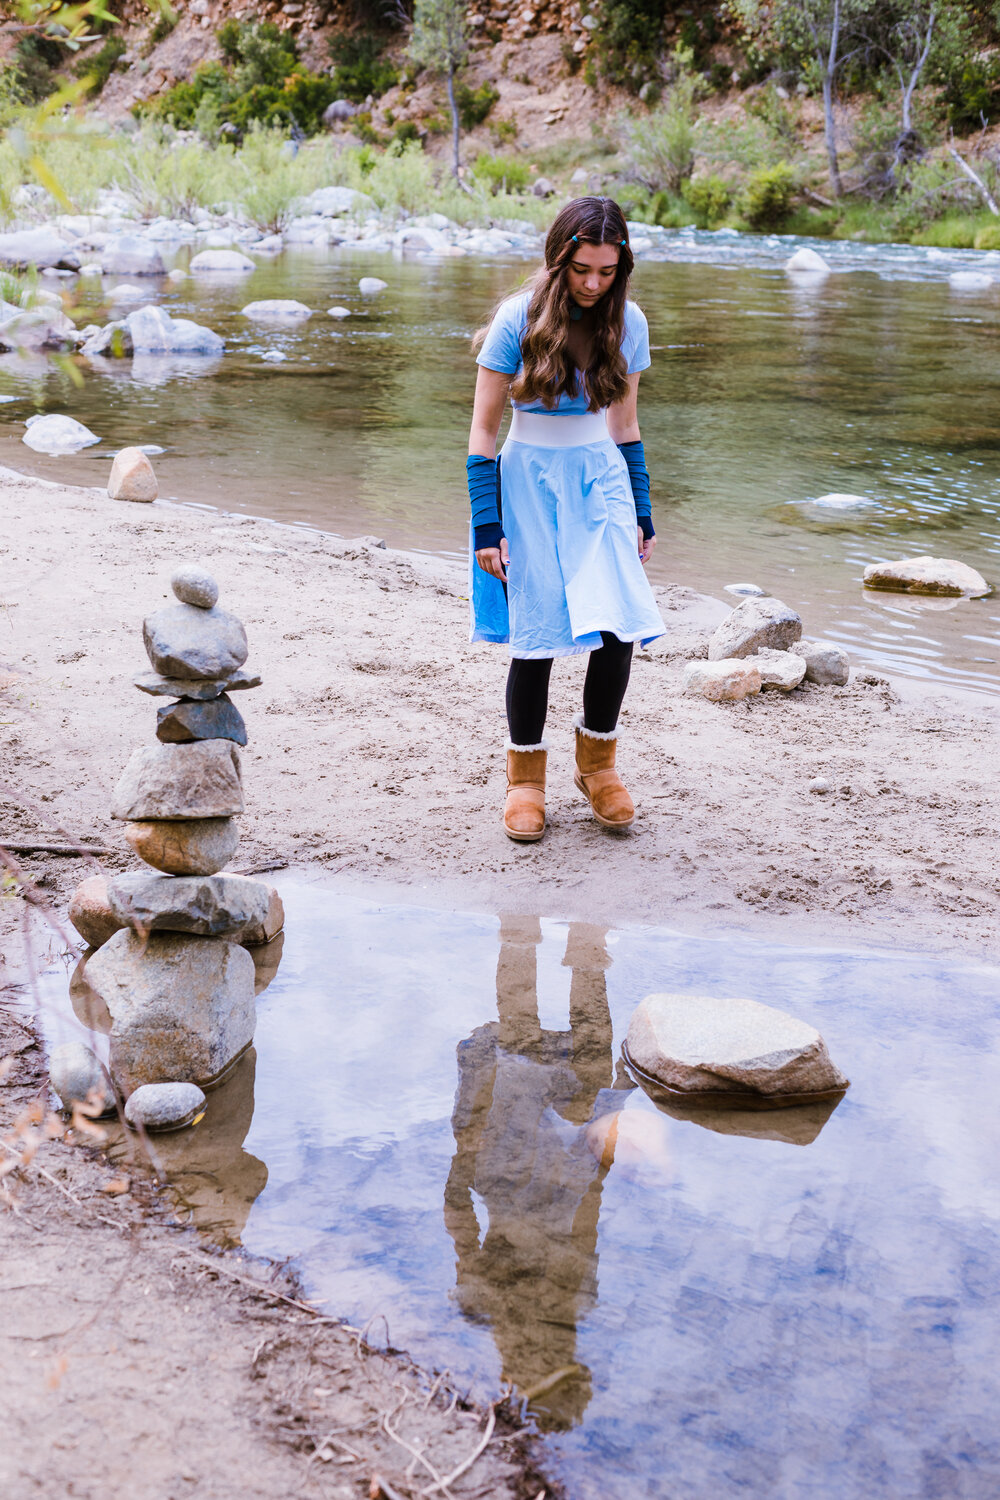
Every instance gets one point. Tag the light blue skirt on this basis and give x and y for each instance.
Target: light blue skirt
(574, 570)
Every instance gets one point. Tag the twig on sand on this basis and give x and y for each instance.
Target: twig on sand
(74, 849)
(440, 1484)
(463, 1467)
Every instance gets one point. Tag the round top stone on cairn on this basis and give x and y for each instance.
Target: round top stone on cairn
(194, 585)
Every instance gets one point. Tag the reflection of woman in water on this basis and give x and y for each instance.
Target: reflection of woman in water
(524, 1096)
(562, 524)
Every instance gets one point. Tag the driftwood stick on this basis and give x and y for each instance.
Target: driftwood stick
(973, 176)
(22, 848)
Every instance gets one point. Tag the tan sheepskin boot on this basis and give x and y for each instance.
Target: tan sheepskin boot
(597, 778)
(524, 812)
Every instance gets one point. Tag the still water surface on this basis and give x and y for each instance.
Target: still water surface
(765, 394)
(780, 1305)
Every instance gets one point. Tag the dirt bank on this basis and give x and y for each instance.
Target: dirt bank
(377, 752)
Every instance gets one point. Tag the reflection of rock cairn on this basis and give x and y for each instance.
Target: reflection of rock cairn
(176, 978)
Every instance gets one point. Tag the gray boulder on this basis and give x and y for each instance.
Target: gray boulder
(780, 671)
(706, 1045)
(331, 202)
(153, 331)
(185, 640)
(213, 262)
(369, 285)
(113, 341)
(227, 906)
(37, 329)
(277, 309)
(185, 846)
(55, 433)
(78, 1078)
(217, 719)
(182, 1008)
(37, 247)
(336, 114)
(826, 665)
(166, 782)
(194, 585)
(164, 1106)
(131, 255)
(90, 911)
(927, 575)
(159, 686)
(753, 624)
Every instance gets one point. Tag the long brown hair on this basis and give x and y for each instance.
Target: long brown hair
(549, 370)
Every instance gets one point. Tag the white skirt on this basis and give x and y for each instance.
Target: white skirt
(569, 519)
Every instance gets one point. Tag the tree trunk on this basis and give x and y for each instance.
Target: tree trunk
(918, 68)
(829, 129)
(454, 120)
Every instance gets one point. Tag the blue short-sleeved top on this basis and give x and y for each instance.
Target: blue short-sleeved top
(502, 350)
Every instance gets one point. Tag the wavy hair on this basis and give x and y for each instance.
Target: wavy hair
(549, 370)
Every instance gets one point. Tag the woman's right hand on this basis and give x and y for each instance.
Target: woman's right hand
(494, 560)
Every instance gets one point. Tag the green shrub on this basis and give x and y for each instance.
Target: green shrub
(972, 94)
(661, 144)
(34, 61)
(99, 68)
(359, 67)
(475, 104)
(988, 238)
(406, 130)
(766, 200)
(709, 199)
(501, 174)
(162, 27)
(503, 131)
(628, 42)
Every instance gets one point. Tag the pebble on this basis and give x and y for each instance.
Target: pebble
(185, 846)
(338, 312)
(819, 784)
(368, 285)
(274, 357)
(194, 585)
(77, 1076)
(164, 1106)
(749, 590)
(132, 477)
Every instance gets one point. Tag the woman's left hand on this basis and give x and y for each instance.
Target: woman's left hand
(645, 548)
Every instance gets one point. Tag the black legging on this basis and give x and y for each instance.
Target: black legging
(603, 690)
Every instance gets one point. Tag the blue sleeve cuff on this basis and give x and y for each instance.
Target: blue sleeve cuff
(487, 536)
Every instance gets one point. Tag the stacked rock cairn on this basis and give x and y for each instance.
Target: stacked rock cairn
(173, 968)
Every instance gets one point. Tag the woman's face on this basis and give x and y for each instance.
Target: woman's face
(591, 273)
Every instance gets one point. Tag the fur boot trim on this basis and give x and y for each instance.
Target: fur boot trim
(593, 734)
(523, 749)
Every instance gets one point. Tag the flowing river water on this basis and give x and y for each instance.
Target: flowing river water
(437, 1124)
(767, 393)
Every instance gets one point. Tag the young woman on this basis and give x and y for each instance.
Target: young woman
(561, 522)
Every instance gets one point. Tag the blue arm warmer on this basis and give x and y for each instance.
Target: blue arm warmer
(635, 457)
(484, 484)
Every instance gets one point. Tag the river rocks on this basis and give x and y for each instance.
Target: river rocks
(126, 291)
(927, 575)
(807, 262)
(159, 686)
(330, 202)
(277, 309)
(970, 281)
(131, 255)
(182, 1008)
(229, 906)
(37, 329)
(185, 846)
(194, 585)
(212, 262)
(825, 664)
(706, 1045)
(113, 341)
(216, 719)
(780, 671)
(338, 312)
(369, 285)
(722, 681)
(55, 433)
(37, 247)
(167, 782)
(153, 331)
(754, 624)
(77, 1077)
(90, 911)
(132, 477)
(185, 640)
(164, 1106)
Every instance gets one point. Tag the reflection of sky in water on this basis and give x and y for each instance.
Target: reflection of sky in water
(766, 392)
(733, 1314)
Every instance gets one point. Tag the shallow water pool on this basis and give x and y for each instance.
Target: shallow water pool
(437, 1125)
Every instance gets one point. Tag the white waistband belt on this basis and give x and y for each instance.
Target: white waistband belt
(552, 431)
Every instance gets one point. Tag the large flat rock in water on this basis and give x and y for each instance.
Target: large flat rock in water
(702, 1044)
(200, 780)
(232, 906)
(182, 1008)
(927, 575)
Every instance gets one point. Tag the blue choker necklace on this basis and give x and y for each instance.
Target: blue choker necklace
(575, 313)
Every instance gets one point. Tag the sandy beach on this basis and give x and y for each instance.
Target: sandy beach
(377, 755)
